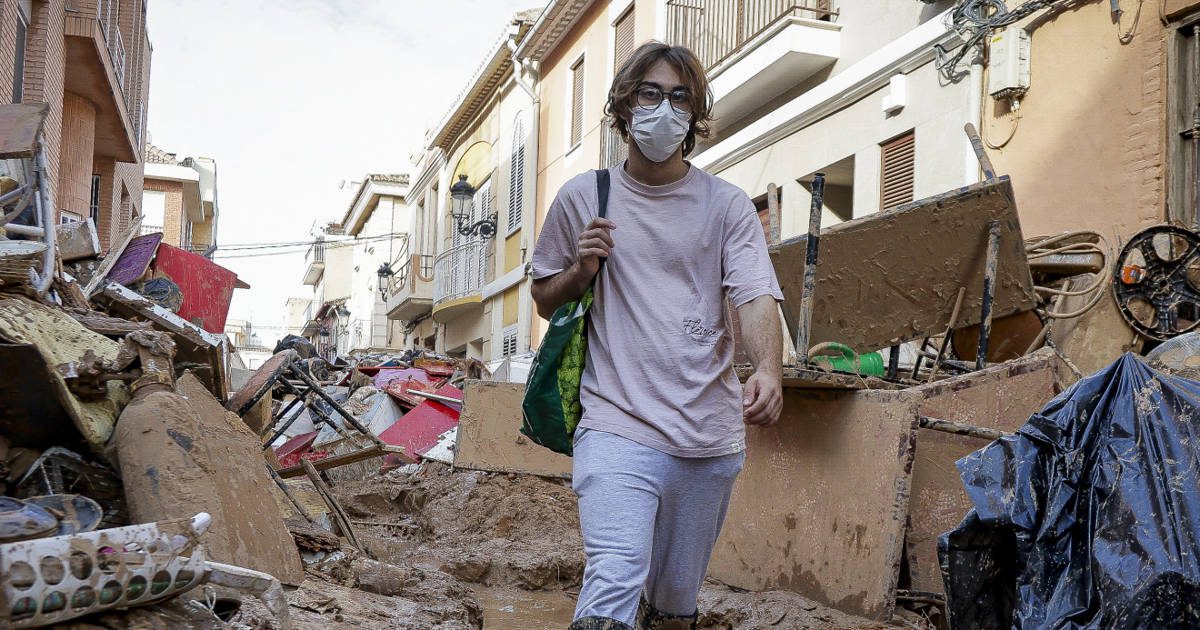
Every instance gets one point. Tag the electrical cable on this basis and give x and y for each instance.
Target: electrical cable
(1078, 242)
(974, 21)
(1016, 116)
(1127, 36)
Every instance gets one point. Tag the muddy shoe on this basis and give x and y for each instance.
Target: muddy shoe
(650, 618)
(597, 623)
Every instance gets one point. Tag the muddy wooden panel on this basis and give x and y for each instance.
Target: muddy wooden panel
(20, 124)
(1002, 398)
(489, 434)
(893, 276)
(59, 340)
(819, 507)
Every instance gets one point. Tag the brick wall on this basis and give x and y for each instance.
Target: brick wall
(172, 209)
(44, 67)
(8, 47)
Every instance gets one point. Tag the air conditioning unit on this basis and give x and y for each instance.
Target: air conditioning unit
(1008, 63)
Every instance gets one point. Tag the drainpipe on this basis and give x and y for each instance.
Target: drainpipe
(521, 67)
(974, 115)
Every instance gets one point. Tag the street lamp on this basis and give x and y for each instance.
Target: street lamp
(462, 202)
(384, 272)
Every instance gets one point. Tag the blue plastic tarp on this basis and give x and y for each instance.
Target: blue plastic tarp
(1088, 516)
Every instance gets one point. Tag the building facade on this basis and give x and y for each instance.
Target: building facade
(90, 61)
(346, 313)
(179, 199)
(577, 45)
(455, 290)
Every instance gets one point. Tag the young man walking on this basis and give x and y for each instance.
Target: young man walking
(662, 436)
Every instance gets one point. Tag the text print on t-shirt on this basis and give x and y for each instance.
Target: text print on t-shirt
(699, 332)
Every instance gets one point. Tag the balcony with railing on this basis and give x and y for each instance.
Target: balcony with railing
(101, 69)
(410, 289)
(314, 263)
(459, 274)
(755, 50)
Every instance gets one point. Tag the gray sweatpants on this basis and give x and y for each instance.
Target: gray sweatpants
(649, 522)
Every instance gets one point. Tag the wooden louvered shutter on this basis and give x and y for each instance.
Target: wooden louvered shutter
(896, 175)
(577, 102)
(623, 39)
(516, 175)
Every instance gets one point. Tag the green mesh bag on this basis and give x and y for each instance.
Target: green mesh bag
(551, 409)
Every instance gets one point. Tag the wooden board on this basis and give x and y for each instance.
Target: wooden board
(1002, 398)
(893, 276)
(261, 382)
(135, 259)
(20, 124)
(207, 287)
(819, 507)
(489, 436)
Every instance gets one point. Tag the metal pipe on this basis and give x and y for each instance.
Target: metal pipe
(917, 364)
(989, 290)
(893, 361)
(974, 114)
(25, 230)
(985, 163)
(45, 201)
(438, 397)
(336, 407)
(962, 292)
(958, 428)
(810, 268)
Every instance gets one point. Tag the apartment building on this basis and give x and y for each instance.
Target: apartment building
(461, 286)
(179, 199)
(577, 45)
(90, 61)
(346, 269)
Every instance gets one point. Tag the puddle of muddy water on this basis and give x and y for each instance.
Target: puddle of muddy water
(506, 609)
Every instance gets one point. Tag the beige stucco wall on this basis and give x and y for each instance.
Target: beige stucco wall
(1088, 153)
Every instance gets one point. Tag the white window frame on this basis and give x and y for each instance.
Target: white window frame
(509, 332)
(516, 181)
(580, 61)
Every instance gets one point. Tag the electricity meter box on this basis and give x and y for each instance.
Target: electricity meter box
(1008, 63)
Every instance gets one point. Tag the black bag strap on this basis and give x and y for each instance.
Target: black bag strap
(602, 186)
(602, 190)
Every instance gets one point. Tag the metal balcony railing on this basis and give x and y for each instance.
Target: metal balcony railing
(405, 278)
(716, 29)
(459, 271)
(613, 149)
(315, 253)
(150, 229)
(107, 11)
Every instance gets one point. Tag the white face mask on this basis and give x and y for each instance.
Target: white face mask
(659, 130)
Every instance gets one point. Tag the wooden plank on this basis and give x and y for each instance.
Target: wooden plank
(335, 510)
(1003, 398)
(20, 124)
(807, 378)
(261, 382)
(489, 434)
(893, 276)
(100, 277)
(343, 460)
(820, 504)
(135, 259)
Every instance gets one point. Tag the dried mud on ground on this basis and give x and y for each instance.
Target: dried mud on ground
(461, 551)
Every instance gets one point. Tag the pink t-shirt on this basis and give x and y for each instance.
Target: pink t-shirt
(660, 350)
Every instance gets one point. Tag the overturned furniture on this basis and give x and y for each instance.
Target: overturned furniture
(888, 441)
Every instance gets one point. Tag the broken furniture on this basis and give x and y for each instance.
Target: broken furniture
(279, 371)
(21, 139)
(870, 484)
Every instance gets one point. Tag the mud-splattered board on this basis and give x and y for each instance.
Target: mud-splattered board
(819, 507)
(893, 276)
(1001, 397)
(489, 434)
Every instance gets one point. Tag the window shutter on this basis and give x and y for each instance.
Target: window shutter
(509, 347)
(516, 176)
(577, 102)
(896, 175)
(623, 40)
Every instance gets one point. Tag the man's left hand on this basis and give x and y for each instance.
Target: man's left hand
(762, 399)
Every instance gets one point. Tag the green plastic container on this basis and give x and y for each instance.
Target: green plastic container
(845, 359)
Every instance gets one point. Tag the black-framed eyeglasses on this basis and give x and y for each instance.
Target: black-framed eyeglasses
(649, 95)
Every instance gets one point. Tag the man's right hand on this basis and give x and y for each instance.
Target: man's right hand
(595, 243)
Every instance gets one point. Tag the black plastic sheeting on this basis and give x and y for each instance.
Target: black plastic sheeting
(1087, 517)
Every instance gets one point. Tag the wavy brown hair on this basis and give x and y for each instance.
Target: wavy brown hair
(620, 96)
